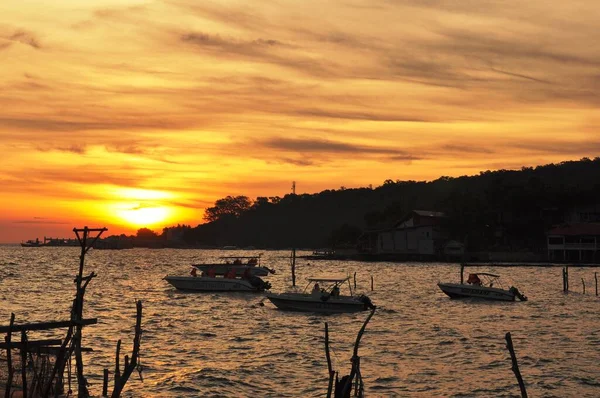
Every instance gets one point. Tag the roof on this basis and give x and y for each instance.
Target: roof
(428, 213)
(484, 274)
(576, 229)
(329, 278)
(258, 255)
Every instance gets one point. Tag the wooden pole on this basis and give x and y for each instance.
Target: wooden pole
(462, 273)
(355, 360)
(105, 383)
(564, 280)
(515, 365)
(81, 380)
(10, 369)
(355, 281)
(329, 368)
(583, 283)
(596, 279)
(24, 362)
(293, 260)
(371, 282)
(567, 274)
(130, 365)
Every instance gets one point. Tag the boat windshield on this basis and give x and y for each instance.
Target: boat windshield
(326, 284)
(484, 279)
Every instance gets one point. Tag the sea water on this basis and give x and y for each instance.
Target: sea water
(419, 343)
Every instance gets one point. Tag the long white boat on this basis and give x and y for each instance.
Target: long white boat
(482, 285)
(217, 284)
(323, 300)
(243, 265)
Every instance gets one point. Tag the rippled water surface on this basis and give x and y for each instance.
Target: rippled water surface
(419, 343)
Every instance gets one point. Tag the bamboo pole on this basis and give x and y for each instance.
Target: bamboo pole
(515, 365)
(10, 369)
(354, 280)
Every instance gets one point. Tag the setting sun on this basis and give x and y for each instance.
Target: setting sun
(144, 216)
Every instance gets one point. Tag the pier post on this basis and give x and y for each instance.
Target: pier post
(105, 384)
(293, 261)
(24, 362)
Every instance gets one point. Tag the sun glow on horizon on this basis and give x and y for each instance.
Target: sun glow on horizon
(142, 216)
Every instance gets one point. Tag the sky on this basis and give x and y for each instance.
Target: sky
(130, 114)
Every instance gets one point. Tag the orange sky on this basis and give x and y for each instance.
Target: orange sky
(130, 113)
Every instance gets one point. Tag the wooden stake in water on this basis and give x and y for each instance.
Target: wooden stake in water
(355, 281)
(596, 279)
(583, 283)
(293, 263)
(105, 384)
(462, 271)
(515, 365)
(371, 282)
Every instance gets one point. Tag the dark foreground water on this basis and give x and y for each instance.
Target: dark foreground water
(419, 343)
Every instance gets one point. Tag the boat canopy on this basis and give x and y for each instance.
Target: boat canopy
(484, 274)
(332, 278)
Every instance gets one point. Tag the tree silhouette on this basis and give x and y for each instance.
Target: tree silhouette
(229, 206)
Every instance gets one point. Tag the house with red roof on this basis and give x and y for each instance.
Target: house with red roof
(574, 242)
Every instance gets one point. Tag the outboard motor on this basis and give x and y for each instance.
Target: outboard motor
(366, 301)
(518, 294)
(259, 283)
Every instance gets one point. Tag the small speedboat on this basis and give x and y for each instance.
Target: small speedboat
(241, 264)
(482, 285)
(325, 299)
(213, 283)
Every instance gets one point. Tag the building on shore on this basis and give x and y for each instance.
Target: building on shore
(419, 235)
(574, 242)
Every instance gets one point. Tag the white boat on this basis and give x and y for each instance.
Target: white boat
(482, 285)
(323, 300)
(218, 284)
(243, 265)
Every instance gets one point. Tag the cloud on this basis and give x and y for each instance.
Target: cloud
(40, 220)
(313, 146)
(27, 38)
(359, 115)
(467, 147)
(590, 148)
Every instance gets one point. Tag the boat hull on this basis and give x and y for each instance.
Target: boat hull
(310, 303)
(204, 284)
(457, 290)
(221, 269)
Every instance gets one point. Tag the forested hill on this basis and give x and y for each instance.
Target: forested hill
(522, 203)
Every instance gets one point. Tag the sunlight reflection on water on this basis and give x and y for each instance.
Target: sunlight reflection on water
(419, 343)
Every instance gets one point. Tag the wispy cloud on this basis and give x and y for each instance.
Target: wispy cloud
(24, 37)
